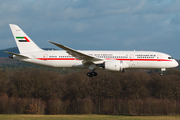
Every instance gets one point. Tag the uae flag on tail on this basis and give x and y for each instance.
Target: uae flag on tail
(22, 39)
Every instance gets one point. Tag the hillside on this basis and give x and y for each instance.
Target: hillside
(6, 60)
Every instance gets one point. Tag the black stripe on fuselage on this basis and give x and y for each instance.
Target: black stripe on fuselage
(22, 40)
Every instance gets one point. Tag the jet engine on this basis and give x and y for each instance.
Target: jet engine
(115, 65)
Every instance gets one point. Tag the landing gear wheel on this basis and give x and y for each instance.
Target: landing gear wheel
(89, 74)
(94, 73)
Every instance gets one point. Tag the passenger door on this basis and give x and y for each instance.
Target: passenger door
(159, 58)
(45, 57)
(131, 57)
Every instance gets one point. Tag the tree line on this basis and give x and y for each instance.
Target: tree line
(42, 91)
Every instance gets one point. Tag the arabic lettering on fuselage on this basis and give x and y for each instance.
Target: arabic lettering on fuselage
(138, 55)
(101, 54)
(146, 55)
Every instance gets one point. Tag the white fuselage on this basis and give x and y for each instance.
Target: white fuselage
(133, 59)
(70, 58)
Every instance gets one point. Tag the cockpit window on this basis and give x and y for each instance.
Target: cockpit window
(170, 57)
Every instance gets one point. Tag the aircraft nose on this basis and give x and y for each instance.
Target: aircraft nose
(172, 64)
(176, 63)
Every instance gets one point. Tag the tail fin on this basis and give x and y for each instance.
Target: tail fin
(24, 43)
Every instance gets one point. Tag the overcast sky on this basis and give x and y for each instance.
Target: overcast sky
(149, 25)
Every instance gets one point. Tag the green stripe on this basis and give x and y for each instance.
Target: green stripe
(20, 37)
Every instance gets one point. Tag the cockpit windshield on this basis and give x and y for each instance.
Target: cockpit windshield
(170, 57)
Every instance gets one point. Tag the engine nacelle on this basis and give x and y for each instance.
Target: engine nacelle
(115, 65)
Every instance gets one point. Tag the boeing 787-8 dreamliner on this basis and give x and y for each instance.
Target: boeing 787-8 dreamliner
(92, 60)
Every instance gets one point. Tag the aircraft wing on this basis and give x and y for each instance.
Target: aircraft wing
(81, 56)
(16, 54)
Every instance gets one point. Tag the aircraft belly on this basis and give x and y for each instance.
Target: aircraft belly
(55, 63)
(78, 64)
(153, 64)
(63, 63)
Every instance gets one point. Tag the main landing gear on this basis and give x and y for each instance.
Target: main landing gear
(91, 74)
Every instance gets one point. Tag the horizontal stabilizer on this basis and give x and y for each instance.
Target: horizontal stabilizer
(16, 54)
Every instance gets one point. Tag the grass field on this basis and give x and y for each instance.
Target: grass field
(85, 117)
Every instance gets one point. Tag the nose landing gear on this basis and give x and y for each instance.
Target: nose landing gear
(162, 70)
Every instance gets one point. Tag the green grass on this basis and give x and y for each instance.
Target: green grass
(85, 117)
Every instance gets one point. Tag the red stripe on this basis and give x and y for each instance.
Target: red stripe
(144, 59)
(106, 59)
(56, 58)
(26, 39)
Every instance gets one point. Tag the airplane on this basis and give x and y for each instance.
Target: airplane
(116, 61)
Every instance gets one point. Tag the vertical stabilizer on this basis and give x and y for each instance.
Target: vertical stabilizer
(24, 43)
